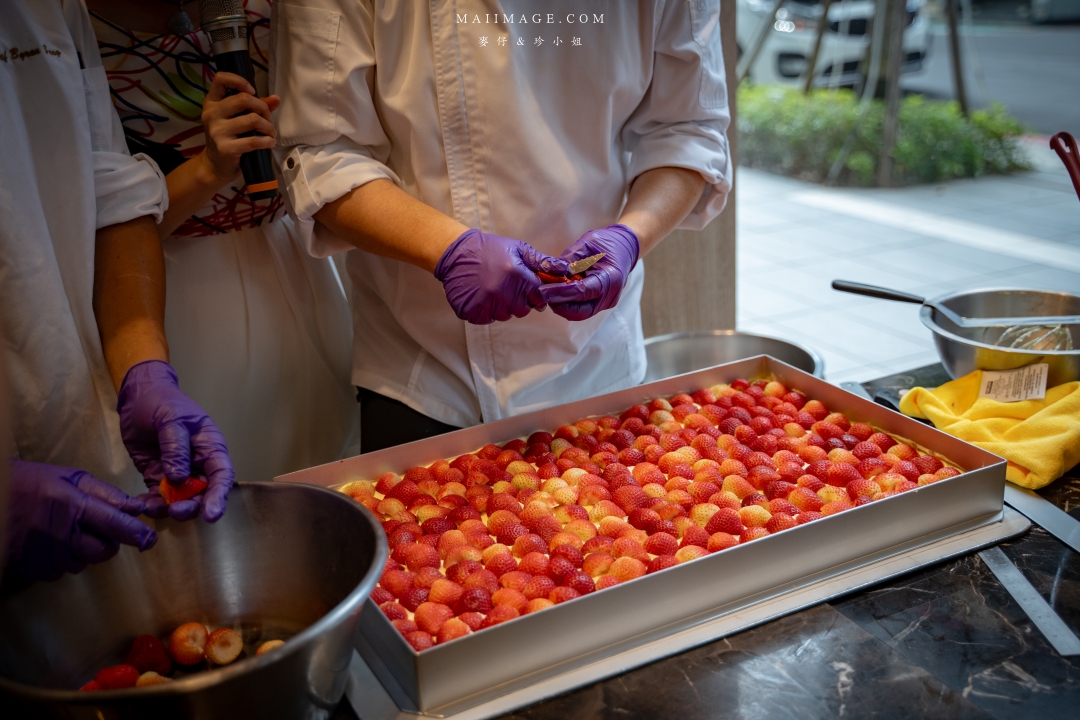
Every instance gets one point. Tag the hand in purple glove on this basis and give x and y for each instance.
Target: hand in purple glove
(169, 436)
(489, 278)
(603, 282)
(63, 519)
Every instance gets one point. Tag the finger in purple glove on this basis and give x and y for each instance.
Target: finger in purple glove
(58, 527)
(169, 435)
(488, 278)
(603, 282)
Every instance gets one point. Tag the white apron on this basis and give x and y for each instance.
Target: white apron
(66, 172)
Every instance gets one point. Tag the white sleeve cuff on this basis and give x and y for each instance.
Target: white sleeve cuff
(315, 176)
(700, 147)
(128, 187)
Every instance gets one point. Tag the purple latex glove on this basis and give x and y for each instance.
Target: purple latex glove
(489, 278)
(63, 519)
(603, 282)
(169, 436)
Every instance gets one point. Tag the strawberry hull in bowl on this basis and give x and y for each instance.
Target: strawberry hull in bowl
(472, 658)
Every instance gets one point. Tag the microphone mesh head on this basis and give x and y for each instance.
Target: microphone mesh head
(214, 9)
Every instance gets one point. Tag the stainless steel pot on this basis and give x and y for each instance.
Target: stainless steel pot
(679, 353)
(288, 561)
(963, 350)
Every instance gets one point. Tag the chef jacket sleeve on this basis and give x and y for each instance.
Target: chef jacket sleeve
(126, 186)
(682, 120)
(330, 140)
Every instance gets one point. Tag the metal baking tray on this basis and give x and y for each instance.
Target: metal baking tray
(370, 700)
(524, 651)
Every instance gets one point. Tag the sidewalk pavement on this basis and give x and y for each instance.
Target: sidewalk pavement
(795, 238)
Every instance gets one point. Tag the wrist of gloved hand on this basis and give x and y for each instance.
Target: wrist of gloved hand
(168, 435)
(63, 519)
(603, 282)
(489, 278)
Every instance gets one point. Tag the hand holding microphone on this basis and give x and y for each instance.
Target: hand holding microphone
(235, 122)
(225, 24)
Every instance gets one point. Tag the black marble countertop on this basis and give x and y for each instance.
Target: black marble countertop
(943, 642)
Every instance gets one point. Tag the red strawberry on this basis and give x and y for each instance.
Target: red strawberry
(394, 611)
(808, 516)
(661, 562)
(571, 553)
(499, 614)
(882, 440)
(661, 543)
(695, 535)
(413, 598)
(724, 520)
(539, 587)
(117, 677)
(472, 600)
(379, 595)
(429, 617)
(188, 642)
(840, 474)
(779, 522)
(172, 492)
(148, 654)
(403, 626)
(562, 594)
(223, 646)
(927, 464)
(92, 686)
(419, 640)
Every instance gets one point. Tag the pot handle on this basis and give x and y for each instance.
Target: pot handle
(875, 292)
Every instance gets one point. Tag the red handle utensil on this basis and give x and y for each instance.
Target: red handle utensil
(1064, 145)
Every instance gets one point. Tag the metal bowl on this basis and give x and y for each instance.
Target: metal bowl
(286, 561)
(679, 353)
(963, 350)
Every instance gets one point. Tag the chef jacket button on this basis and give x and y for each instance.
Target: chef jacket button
(290, 163)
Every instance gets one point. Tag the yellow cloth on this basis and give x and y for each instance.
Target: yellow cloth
(1039, 438)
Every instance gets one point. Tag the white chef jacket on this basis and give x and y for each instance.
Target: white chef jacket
(519, 118)
(66, 172)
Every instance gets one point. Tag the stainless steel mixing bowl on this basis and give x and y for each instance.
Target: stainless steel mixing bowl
(288, 561)
(963, 350)
(679, 353)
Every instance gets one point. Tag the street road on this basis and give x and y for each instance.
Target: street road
(1033, 70)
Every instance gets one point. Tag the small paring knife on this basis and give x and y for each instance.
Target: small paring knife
(577, 268)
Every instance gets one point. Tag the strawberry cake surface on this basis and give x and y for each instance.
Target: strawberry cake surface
(509, 530)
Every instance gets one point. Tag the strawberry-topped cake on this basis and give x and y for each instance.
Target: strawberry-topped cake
(514, 529)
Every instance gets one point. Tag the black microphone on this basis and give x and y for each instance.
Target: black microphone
(225, 24)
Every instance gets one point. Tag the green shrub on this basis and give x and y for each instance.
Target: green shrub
(783, 131)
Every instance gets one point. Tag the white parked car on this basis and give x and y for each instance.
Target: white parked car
(788, 49)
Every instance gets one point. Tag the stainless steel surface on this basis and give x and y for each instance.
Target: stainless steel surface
(1031, 602)
(580, 266)
(480, 666)
(1036, 332)
(1045, 514)
(679, 353)
(285, 560)
(963, 350)
(372, 702)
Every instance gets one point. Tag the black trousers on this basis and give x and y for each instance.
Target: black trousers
(385, 422)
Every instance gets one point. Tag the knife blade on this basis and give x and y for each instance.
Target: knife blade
(580, 266)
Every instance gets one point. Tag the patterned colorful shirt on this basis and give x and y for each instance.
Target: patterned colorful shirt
(158, 83)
